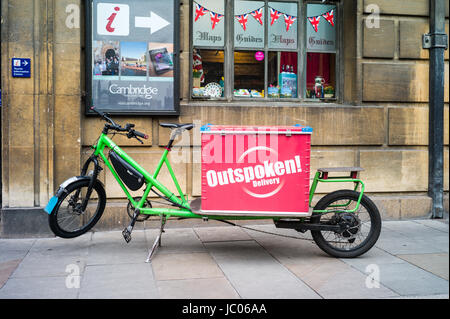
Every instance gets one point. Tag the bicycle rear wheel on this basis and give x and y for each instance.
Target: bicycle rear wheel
(67, 219)
(362, 228)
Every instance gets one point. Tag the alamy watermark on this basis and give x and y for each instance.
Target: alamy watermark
(73, 278)
(373, 277)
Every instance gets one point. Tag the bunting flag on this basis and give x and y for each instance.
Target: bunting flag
(199, 11)
(274, 15)
(243, 20)
(289, 21)
(315, 22)
(257, 14)
(215, 18)
(329, 16)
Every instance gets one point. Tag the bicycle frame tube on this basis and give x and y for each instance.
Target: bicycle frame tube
(150, 180)
(357, 182)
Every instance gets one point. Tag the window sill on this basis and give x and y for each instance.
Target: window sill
(261, 102)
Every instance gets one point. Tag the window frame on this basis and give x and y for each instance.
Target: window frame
(301, 51)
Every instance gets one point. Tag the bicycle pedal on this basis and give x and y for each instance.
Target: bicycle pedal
(126, 235)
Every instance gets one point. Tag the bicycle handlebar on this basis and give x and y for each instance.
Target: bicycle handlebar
(132, 133)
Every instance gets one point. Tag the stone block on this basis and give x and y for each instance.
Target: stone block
(67, 140)
(373, 37)
(20, 85)
(411, 8)
(21, 21)
(395, 171)
(332, 158)
(20, 162)
(67, 69)
(388, 206)
(414, 206)
(330, 124)
(446, 168)
(411, 32)
(409, 126)
(66, 21)
(395, 82)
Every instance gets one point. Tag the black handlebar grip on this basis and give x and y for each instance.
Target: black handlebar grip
(144, 136)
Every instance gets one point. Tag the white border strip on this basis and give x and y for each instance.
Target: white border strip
(253, 213)
(256, 132)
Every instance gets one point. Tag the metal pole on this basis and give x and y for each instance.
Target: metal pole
(436, 42)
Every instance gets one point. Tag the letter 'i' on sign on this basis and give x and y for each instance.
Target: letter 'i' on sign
(113, 19)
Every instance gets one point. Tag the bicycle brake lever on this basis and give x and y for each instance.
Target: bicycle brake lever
(139, 140)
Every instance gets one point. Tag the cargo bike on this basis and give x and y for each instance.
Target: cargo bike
(248, 173)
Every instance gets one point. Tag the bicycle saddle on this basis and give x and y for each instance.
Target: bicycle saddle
(186, 126)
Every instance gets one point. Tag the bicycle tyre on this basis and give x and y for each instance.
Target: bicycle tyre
(55, 223)
(367, 204)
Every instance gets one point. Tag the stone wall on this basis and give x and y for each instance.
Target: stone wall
(382, 124)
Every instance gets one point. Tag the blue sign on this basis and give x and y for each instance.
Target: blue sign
(21, 68)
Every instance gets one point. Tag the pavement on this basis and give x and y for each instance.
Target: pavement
(410, 260)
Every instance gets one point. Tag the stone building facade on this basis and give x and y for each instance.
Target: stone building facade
(380, 121)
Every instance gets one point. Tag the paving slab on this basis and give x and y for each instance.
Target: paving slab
(37, 288)
(337, 280)
(435, 263)
(185, 266)
(328, 276)
(56, 246)
(254, 273)
(6, 269)
(37, 265)
(406, 279)
(16, 244)
(396, 243)
(436, 224)
(109, 248)
(176, 240)
(209, 288)
(118, 281)
(224, 233)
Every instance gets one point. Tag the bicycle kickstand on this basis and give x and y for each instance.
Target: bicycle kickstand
(157, 242)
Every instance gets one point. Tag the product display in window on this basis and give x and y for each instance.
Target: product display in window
(321, 76)
(248, 74)
(207, 73)
(283, 80)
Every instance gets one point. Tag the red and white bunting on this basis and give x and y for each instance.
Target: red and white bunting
(257, 14)
(289, 21)
(329, 16)
(274, 15)
(243, 19)
(315, 22)
(199, 11)
(215, 18)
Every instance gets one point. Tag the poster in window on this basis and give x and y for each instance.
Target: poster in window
(321, 23)
(248, 24)
(132, 66)
(208, 23)
(283, 24)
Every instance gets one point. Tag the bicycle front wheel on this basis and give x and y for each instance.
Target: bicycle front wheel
(360, 229)
(68, 220)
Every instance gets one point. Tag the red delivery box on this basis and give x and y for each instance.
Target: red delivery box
(255, 170)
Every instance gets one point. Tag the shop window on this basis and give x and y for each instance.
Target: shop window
(254, 49)
(248, 74)
(321, 51)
